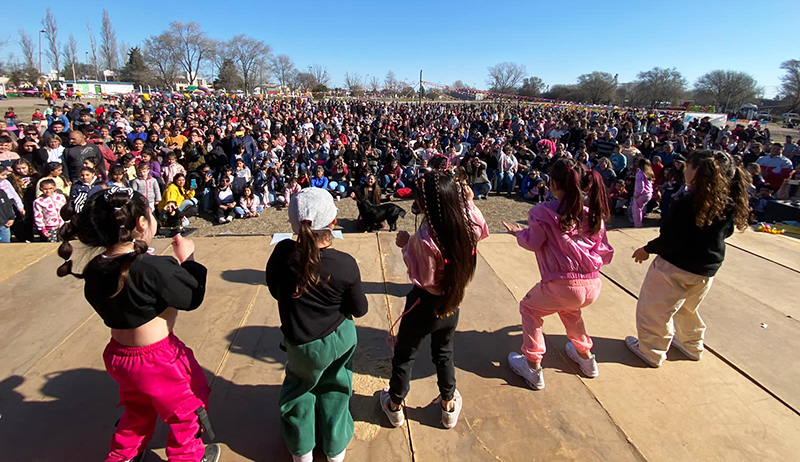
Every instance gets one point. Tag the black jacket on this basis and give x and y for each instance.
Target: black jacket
(7, 208)
(688, 246)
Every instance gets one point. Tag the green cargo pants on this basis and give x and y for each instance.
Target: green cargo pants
(318, 385)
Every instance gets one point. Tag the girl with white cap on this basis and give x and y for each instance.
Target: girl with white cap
(319, 292)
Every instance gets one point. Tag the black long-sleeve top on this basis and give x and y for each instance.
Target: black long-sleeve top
(688, 246)
(154, 284)
(321, 309)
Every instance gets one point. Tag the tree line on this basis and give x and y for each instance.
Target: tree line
(725, 89)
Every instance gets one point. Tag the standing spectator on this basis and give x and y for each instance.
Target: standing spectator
(47, 210)
(775, 166)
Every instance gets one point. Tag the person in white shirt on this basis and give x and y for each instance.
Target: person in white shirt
(775, 166)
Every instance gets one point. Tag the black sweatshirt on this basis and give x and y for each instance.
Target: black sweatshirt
(154, 284)
(321, 309)
(688, 246)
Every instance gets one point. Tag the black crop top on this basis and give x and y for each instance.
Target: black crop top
(154, 284)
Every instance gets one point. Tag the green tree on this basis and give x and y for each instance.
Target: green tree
(597, 87)
(135, 70)
(228, 77)
(531, 86)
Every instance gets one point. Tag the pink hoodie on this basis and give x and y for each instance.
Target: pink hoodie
(424, 259)
(560, 255)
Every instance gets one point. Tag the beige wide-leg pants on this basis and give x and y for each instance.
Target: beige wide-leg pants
(668, 303)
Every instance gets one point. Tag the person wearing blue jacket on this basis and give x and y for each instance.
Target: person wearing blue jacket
(320, 180)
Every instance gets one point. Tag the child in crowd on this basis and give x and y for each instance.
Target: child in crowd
(47, 210)
(99, 174)
(87, 185)
(319, 180)
(249, 204)
(571, 246)
(241, 171)
(23, 179)
(643, 191)
(224, 201)
(8, 215)
(7, 154)
(761, 200)
(441, 259)
(338, 181)
(146, 185)
(180, 195)
(617, 197)
(54, 150)
(53, 171)
(128, 162)
(317, 298)
(148, 158)
(291, 190)
(690, 249)
(172, 168)
(138, 296)
(116, 176)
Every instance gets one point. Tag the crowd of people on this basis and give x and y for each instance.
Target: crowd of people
(229, 157)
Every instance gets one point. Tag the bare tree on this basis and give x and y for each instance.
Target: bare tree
(374, 83)
(506, 77)
(108, 44)
(70, 56)
(661, 85)
(93, 47)
(160, 55)
(28, 49)
(53, 45)
(250, 56)
(353, 81)
(192, 47)
(726, 89)
(302, 81)
(320, 74)
(390, 82)
(790, 84)
(282, 68)
(597, 87)
(124, 53)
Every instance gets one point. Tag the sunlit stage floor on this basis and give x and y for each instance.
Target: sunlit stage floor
(740, 402)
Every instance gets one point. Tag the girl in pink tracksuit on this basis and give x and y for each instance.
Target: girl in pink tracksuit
(643, 190)
(571, 246)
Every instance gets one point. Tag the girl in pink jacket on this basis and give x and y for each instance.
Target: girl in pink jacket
(571, 246)
(441, 259)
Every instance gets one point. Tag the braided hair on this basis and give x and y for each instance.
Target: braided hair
(443, 201)
(107, 218)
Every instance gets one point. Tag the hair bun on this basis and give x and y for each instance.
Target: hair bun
(65, 269)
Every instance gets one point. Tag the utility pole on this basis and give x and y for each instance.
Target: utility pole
(40, 50)
(420, 87)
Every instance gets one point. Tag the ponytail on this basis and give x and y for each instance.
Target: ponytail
(566, 173)
(106, 219)
(306, 260)
(599, 209)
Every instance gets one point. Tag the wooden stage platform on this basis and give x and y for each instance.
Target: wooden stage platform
(740, 402)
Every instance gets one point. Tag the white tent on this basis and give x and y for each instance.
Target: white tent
(717, 120)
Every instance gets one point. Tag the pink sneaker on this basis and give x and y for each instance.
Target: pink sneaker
(450, 418)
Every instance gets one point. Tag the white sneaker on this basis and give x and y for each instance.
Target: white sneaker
(519, 364)
(339, 457)
(682, 348)
(633, 344)
(396, 418)
(229, 219)
(450, 418)
(588, 366)
(338, 198)
(222, 220)
(304, 458)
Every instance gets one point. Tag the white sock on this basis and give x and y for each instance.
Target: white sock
(304, 458)
(338, 458)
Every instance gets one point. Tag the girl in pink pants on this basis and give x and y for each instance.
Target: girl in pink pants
(571, 246)
(138, 296)
(643, 191)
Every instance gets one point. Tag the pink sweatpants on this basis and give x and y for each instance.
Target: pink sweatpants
(565, 297)
(162, 379)
(639, 205)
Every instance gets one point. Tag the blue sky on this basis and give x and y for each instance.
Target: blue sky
(451, 40)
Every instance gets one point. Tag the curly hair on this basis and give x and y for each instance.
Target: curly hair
(710, 187)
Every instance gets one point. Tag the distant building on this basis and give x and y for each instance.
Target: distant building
(182, 83)
(96, 87)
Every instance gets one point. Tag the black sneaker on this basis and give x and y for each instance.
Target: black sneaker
(212, 453)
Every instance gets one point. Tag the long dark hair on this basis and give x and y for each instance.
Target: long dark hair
(306, 260)
(443, 200)
(107, 218)
(718, 188)
(574, 181)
